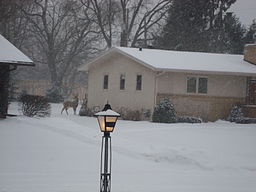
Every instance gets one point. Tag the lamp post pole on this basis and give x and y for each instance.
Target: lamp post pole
(106, 153)
(107, 120)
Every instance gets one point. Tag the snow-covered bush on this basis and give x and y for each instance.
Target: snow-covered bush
(146, 113)
(133, 115)
(53, 95)
(246, 120)
(33, 105)
(164, 112)
(84, 110)
(235, 114)
(187, 119)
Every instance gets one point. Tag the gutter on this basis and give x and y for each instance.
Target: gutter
(17, 63)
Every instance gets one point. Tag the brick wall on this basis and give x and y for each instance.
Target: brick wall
(250, 53)
(210, 108)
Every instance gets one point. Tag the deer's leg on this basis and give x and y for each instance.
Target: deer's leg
(74, 110)
(62, 109)
(67, 111)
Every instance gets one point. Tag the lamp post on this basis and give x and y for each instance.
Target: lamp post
(107, 121)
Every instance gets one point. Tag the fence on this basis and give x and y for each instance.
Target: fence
(40, 87)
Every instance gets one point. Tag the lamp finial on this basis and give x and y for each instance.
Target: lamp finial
(106, 107)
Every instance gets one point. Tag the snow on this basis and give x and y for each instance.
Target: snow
(10, 54)
(62, 154)
(190, 61)
(109, 112)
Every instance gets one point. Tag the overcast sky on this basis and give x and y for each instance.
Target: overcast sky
(245, 10)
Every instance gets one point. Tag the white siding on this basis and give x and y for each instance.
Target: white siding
(114, 66)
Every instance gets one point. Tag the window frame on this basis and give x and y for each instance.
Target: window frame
(107, 83)
(136, 88)
(197, 84)
(122, 81)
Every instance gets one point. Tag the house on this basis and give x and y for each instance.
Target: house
(10, 58)
(203, 85)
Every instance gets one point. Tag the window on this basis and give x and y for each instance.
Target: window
(197, 85)
(191, 85)
(122, 82)
(202, 85)
(139, 82)
(105, 82)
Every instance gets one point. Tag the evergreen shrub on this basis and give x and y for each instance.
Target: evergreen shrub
(187, 119)
(235, 114)
(164, 112)
(246, 120)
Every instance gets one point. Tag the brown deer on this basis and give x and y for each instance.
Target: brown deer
(70, 104)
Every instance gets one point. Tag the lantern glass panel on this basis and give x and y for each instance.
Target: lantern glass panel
(101, 120)
(110, 123)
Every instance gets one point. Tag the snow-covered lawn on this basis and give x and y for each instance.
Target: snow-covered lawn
(62, 154)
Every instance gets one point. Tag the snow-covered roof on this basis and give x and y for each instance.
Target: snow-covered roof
(180, 61)
(11, 55)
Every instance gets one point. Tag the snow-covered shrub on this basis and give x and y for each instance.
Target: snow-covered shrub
(33, 105)
(187, 119)
(147, 113)
(128, 114)
(53, 95)
(84, 110)
(164, 112)
(235, 114)
(133, 115)
(246, 120)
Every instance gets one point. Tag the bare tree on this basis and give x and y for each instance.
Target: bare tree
(139, 17)
(13, 24)
(63, 38)
(104, 16)
(126, 20)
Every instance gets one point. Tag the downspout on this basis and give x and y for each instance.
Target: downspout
(154, 104)
(157, 74)
(247, 100)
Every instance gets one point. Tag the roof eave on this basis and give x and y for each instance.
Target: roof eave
(246, 74)
(87, 66)
(20, 63)
(136, 59)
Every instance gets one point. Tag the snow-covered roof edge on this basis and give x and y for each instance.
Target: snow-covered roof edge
(86, 66)
(9, 54)
(142, 61)
(250, 44)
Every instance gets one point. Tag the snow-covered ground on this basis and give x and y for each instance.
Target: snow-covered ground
(62, 154)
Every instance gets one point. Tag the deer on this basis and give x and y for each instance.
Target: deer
(70, 104)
